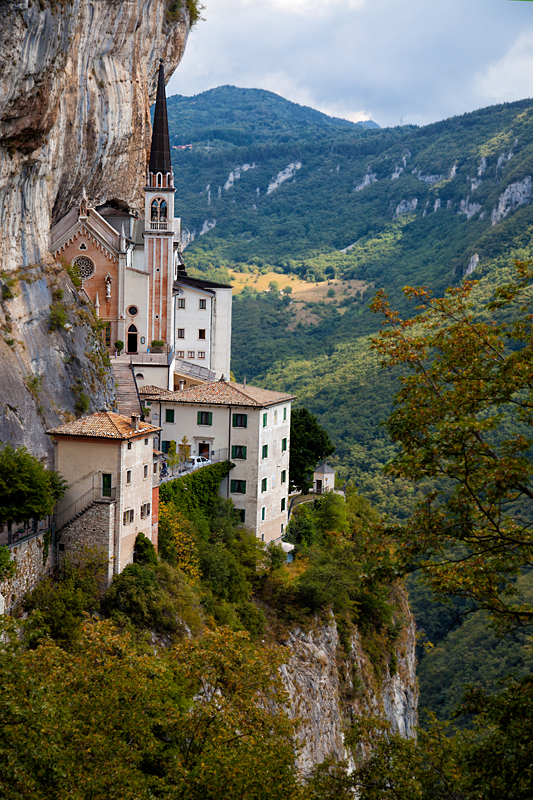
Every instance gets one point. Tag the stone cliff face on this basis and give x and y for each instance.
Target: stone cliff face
(329, 685)
(76, 81)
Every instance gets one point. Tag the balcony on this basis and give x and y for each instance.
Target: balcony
(159, 226)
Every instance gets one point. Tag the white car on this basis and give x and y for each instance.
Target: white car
(195, 463)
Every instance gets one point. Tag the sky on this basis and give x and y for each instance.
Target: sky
(393, 61)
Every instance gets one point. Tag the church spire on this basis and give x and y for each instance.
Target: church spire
(160, 150)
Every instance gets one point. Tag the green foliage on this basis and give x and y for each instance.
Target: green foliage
(202, 720)
(196, 490)
(157, 343)
(58, 607)
(35, 384)
(27, 489)
(58, 317)
(7, 566)
(309, 444)
(119, 346)
(153, 598)
(145, 553)
(194, 9)
(81, 399)
(463, 421)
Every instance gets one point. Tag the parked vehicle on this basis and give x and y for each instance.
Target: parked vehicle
(195, 462)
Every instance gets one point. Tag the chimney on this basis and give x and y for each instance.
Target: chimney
(244, 383)
(135, 421)
(181, 386)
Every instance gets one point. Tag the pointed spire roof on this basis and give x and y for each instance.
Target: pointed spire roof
(160, 150)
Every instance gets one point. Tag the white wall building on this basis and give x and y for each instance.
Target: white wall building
(249, 426)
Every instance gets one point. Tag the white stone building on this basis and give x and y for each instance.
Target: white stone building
(113, 485)
(245, 424)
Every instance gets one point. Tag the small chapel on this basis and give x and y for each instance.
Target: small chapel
(133, 273)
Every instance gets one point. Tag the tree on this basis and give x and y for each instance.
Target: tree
(310, 443)
(27, 489)
(463, 423)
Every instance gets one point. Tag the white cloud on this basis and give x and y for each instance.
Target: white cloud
(382, 59)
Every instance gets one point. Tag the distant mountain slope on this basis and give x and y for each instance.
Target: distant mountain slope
(228, 116)
(291, 188)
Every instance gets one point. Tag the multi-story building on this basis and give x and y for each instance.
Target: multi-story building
(113, 485)
(249, 426)
(133, 273)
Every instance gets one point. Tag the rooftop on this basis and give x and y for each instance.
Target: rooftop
(324, 469)
(103, 425)
(220, 393)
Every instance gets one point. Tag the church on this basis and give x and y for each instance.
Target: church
(133, 273)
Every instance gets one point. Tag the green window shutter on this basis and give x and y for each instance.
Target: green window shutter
(284, 414)
(264, 420)
(233, 449)
(210, 418)
(235, 420)
(232, 486)
(169, 415)
(199, 418)
(244, 452)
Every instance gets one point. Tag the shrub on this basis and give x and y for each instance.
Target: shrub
(58, 316)
(119, 345)
(145, 551)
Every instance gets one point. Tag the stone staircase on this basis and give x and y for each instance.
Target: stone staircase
(127, 397)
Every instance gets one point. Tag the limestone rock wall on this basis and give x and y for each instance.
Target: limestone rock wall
(329, 685)
(34, 559)
(76, 81)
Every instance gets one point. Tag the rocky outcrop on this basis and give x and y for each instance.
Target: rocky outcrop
(405, 207)
(329, 685)
(516, 194)
(76, 81)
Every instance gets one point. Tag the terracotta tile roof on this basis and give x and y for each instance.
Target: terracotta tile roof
(103, 425)
(222, 393)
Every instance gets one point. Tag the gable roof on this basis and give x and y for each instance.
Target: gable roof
(199, 283)
(324, 469)
(103, 425)
(219, 393)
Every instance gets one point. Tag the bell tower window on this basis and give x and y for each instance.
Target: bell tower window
(159, 213)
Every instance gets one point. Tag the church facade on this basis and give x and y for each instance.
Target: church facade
(133, 273)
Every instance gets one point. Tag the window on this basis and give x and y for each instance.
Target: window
(190, 353)
(155, 468)
(129, 445)
(128, 476)
(201, 353)
(284, 414)
(263, 514)
(146, 470)
(240, 513)
(238, 487)
(240, 420)
(275, 417)
(202, 304)
(181, 302)
(169, 415)
(204, 418)
(133, 311)
(282, 528)
(238, 451)
(283, 502)
(264, 420)
(128, 516)
(165, 447)
(180, 354)
(181, 333)
(265, 451)
(283, 445)
(85, 267)
(108, 334)
(146, 441)
(201, 333)
(145, 510)
(264, 484)
(158, 210)
(283, 475)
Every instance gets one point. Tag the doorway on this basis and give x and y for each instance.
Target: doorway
(319, 487)
(132, 339)
(106, 484)
(203, 449)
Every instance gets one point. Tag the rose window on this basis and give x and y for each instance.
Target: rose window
(85, 267)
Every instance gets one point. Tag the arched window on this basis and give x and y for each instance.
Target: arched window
(85, 266)
(132, 339)
(159, 210)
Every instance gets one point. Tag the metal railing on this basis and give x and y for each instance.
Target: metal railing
(96, 493)
(181, 469)
(24, 531)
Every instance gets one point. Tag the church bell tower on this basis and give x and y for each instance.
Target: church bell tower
(159, 224)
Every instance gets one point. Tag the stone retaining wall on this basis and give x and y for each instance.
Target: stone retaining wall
(94, 529)
(34, 559)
